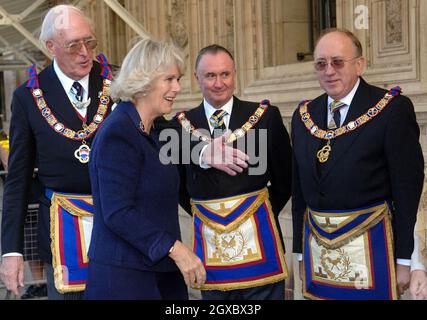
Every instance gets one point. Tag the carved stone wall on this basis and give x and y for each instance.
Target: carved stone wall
(394, 21)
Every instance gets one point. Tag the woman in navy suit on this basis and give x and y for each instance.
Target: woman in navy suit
(136, 250)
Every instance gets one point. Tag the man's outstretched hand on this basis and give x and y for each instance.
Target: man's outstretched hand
(223, 157)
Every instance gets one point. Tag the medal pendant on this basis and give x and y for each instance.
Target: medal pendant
(323, 154)
(82, 153)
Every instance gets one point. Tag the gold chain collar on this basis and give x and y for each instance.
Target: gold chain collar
(60, 128)
(236, 134)
(352, 125)
(324, 152)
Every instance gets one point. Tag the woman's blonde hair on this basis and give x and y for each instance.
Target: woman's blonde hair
(144, 63)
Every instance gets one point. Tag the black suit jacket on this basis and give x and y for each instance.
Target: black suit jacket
(382, 160)
(31, 137)
(211, 183)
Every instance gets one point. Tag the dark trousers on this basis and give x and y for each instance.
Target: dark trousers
(274, 291)
(52, 293)
(107, 282)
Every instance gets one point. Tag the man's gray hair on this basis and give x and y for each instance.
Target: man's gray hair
(57, 18)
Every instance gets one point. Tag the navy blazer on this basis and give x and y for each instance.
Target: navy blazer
(381, 160)
(32, 138)
(135, 196)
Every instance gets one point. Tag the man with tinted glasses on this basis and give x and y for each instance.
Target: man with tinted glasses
(358, 175)
(54, 118)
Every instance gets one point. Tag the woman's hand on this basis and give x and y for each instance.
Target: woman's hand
(189, 264)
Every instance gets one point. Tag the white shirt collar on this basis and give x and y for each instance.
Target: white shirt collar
(67, 82)
(209, 109)
(348, 98)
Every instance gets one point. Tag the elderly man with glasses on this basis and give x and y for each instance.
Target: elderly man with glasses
(55, 116)
(358, 173)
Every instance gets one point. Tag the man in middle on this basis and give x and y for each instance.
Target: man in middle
(235, 218)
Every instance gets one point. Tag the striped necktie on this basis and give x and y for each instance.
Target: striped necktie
(217, 121)
(335, 122)
(77, 91)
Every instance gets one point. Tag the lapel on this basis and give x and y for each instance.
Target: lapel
(317, 109)
(197, 118)
(360, 104)
(239, 114)
(130, 109)
(58, 101)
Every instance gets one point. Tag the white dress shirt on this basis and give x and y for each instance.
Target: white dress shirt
(67, 83)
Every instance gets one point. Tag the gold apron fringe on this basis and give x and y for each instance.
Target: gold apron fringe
(391, 260)
(246, 285)
(57, 201)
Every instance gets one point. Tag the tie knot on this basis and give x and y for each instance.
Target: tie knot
(336, 105)
(77, 90)
(217, 119)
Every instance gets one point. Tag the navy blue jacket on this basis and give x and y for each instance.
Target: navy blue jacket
(381, 160)
(32, 138)
(135, 196)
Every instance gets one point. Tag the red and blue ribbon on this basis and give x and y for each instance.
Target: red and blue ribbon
(105, 68)
(265, 101)
(33, 81)
(395, 91)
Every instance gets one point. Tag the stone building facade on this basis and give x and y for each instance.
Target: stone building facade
(265, 37)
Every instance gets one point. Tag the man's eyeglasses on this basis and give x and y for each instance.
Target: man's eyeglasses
(336, 63)
(75, 46)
